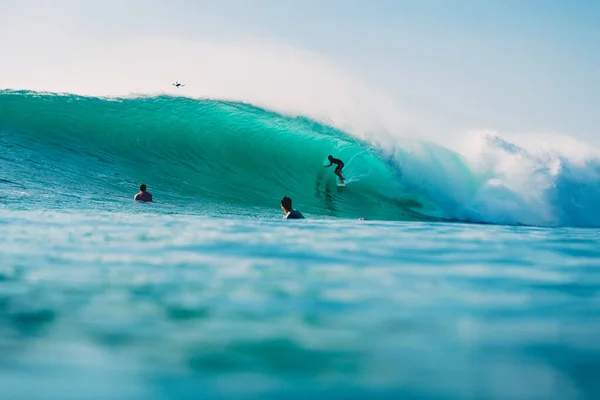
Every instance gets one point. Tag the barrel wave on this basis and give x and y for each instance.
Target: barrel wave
(223, 157)
(200, 154)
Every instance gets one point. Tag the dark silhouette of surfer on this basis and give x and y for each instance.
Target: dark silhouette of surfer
(177, 84)
(143, 195)
(338, 169)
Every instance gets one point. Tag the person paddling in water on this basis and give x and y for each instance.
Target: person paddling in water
(143, 195)
(338, 169)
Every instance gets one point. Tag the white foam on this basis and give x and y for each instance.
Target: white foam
(533, 179)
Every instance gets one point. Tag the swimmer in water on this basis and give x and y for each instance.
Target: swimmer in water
(286, 206)
(143, 195)
(338, 169)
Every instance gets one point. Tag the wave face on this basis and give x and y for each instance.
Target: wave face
(210, 156)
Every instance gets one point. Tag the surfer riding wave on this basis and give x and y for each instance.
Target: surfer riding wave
(338, 169)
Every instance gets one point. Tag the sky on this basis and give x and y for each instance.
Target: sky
(434, 67)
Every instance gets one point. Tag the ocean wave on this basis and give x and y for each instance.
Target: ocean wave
(198, 151)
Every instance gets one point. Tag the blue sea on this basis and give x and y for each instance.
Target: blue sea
(459, 284)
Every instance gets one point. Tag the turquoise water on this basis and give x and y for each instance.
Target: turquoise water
(197, 154)
(140, 305)
(207, 293)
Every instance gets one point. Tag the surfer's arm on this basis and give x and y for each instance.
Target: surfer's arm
(327, 166)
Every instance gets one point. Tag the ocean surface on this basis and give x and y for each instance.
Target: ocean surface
(468, 280)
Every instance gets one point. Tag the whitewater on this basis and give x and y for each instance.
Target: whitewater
(475, 274)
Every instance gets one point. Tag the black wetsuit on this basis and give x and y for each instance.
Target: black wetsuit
(293, 214)
(340, 164)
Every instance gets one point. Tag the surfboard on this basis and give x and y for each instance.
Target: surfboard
(346, 181)
(349, 180)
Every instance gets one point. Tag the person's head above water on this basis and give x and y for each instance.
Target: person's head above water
(286, 204)
(143, 195)
(330, 157)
